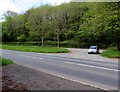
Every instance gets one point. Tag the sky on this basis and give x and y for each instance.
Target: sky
(20, 6)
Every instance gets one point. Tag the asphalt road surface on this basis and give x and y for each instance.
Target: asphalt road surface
(95, 73)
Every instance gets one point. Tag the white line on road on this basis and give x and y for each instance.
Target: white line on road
(31, 56)
(92, 66)
(6, 52)
(74, 63)
(84, 83)
(79, 64)
(68, 78)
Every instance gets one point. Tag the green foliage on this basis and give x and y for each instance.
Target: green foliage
(111, 52)
(21, 38)
(4, 61)
(35, 49)
(72, 25)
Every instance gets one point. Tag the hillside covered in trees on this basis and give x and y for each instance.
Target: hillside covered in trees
(70, 25)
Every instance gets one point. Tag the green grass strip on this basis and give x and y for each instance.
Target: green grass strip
(4, 61)
(37, 49)
(111, 52)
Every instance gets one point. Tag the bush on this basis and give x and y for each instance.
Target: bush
(21, 38)
(68, 43)
(111, 52)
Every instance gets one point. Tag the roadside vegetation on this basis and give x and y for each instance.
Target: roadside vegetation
(71, 24)
(111, 52)
(0, 46)
(4, 61)
(35, 49)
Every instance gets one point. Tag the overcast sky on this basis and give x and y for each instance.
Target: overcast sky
(21, 6)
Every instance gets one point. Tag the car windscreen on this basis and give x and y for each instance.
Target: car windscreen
(93, 47)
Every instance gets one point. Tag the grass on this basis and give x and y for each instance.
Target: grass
(35, 49)
(4, 61)
(0, 46)
(111, 52)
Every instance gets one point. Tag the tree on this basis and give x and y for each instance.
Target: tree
(58, 23)
(85, 23)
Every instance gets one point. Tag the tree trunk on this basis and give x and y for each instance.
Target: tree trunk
(58, 41)
(42, 42)
(42, 38)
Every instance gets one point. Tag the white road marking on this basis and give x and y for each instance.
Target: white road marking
(67, 78)
(71, 78)
(74, 80)
(6, 52)
(74, 63)
(92, 66)
(79, 64)
(31, 56)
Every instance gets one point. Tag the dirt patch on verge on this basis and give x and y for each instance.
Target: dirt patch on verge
(9, 84)
(16, 77)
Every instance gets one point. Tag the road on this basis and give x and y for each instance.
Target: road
(99, 74)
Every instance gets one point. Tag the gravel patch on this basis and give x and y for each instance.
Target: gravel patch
(17, 77)
(9, 84)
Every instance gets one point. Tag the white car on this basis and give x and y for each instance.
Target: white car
(93, 49)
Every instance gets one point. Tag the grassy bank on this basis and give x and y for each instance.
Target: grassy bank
(111, 52)
(35, 49)
(4, 61)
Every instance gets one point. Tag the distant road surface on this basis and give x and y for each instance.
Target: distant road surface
(98, 73)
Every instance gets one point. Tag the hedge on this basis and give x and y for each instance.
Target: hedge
(68, 44)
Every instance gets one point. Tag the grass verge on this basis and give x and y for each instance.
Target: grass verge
(111, 52)
(35, 49)
(4, 61)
